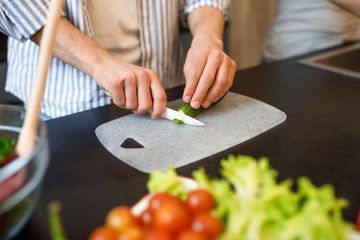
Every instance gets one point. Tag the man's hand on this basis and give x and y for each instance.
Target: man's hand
(209, 72)
(132, 87)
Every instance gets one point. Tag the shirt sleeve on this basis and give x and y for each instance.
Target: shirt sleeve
(191, 5)
(21, 19)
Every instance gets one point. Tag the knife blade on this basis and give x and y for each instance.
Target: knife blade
(172, 114)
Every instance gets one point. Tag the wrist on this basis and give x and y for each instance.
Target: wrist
(209, 39)
(96, 65)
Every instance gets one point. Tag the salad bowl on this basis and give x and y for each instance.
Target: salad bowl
(21, 178)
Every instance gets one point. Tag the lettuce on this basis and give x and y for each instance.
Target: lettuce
(7, 146)
(254, 206)
(166, 182)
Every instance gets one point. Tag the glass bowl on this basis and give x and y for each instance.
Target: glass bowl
(20, 180)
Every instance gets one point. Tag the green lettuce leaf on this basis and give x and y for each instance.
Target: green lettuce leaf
(167, 181)
(271, 210)
(7, 146)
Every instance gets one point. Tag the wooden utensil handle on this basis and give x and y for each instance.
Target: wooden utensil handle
(28, 132)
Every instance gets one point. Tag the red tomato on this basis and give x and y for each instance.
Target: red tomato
(9, 158)
(208, 224)
(160, 198)
(103, 233)
(145, 218)
(120, 218)
(171, 217)
(156, 234)
(132, 233)
(358, 221)
(12, 184)
(189, 234)
(200, 200)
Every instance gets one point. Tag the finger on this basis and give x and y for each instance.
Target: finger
(144, 94)
(223, 81)
(206, 81)
(193, 71)
(118, 95)
(130, 86)
(158, 95)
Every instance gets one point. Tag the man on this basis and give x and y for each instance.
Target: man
(83, 70)
(300, 27)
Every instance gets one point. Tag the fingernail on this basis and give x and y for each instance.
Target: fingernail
(195, 104)
(187, 99)
(206, 104)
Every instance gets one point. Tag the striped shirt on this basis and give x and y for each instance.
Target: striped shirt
(69, 90)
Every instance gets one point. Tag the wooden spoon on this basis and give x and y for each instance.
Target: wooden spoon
(27, 137)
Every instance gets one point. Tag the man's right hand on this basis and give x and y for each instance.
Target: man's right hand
(132, 87)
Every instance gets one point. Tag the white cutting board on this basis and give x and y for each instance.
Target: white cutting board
(235, 119)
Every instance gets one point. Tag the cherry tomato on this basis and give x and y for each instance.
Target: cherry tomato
(208, 224)
(189, 234)
(9, 158)
(120, 218)
(159, 199)
(103, 233)
(156, 234)
(145, 218)
(172, 217)
(132, 233)
(200, 200)
(358, 221)
(12, 184)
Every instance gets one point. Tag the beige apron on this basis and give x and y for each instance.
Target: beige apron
(116, 28)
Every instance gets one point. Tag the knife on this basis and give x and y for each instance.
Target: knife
(172, 114)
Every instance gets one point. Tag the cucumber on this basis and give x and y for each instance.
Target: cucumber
(188, 110)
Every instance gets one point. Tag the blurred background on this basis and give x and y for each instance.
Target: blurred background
(4, 96)
(3, 46)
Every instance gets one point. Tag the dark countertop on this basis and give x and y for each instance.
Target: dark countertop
(319, 139)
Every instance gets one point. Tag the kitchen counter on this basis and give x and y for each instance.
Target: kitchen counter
(320, 139)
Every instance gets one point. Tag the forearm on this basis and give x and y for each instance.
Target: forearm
(207, 24)
(75, 48)
(132, 87)
(352, 6)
